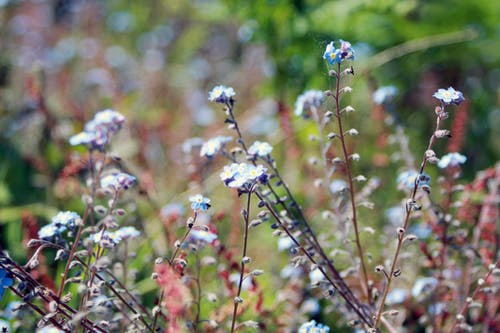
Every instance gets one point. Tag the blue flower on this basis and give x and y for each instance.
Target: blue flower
(451, 160)
(384, 95)
(313, 327)
(66, 219)
(261, 149)
(128, 233)
(221, 94)
(336, 56)
(51, 230)
(199, 202)
(5, 281)
(332, 55)
(308, 100)
(118, 181)
(449, 96)
(407, 179)
(214, 145)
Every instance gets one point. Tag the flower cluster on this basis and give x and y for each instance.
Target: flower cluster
(306, 101)
(449, 96)
(243, 174)
(221, 94)
(451, 160)
(336, 56)
(118, 181)
(214, 145)
(261, 149)
(313, 327)
(106, 239)
(60, 223)
(99, 130)
(199, 202)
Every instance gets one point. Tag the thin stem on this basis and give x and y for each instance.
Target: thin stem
(242, 270)
(461, 314)
(72, 252)
(198, 292)
(366, 285)
(344, 291)
(409, 209)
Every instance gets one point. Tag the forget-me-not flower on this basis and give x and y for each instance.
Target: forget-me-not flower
(336, 56)
(214, 145)
(313, 327)
(306, 101)
(449, 96)
(199, 202)
(451, 160)
(221, 94)
(118, 181)
(261, 149)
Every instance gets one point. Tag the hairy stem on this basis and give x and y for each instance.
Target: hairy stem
(366, 285)
(409, 209)
(242, 270)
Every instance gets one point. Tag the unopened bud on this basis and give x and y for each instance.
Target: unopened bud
(442, 133)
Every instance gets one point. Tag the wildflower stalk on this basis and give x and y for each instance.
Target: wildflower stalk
(308, 233)
(336, 96)
(337, 283)
(190, 226)
(246, 217)
(198, 292)
(480, 283)
(409, 208)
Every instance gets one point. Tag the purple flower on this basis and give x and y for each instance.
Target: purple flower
(5, 281)
(449, 96)
(221, 94)
(451, 160)
(199, 202)
(118, 181)
(261, 149)
(308, 100)
(313, 327)
(336, 56)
